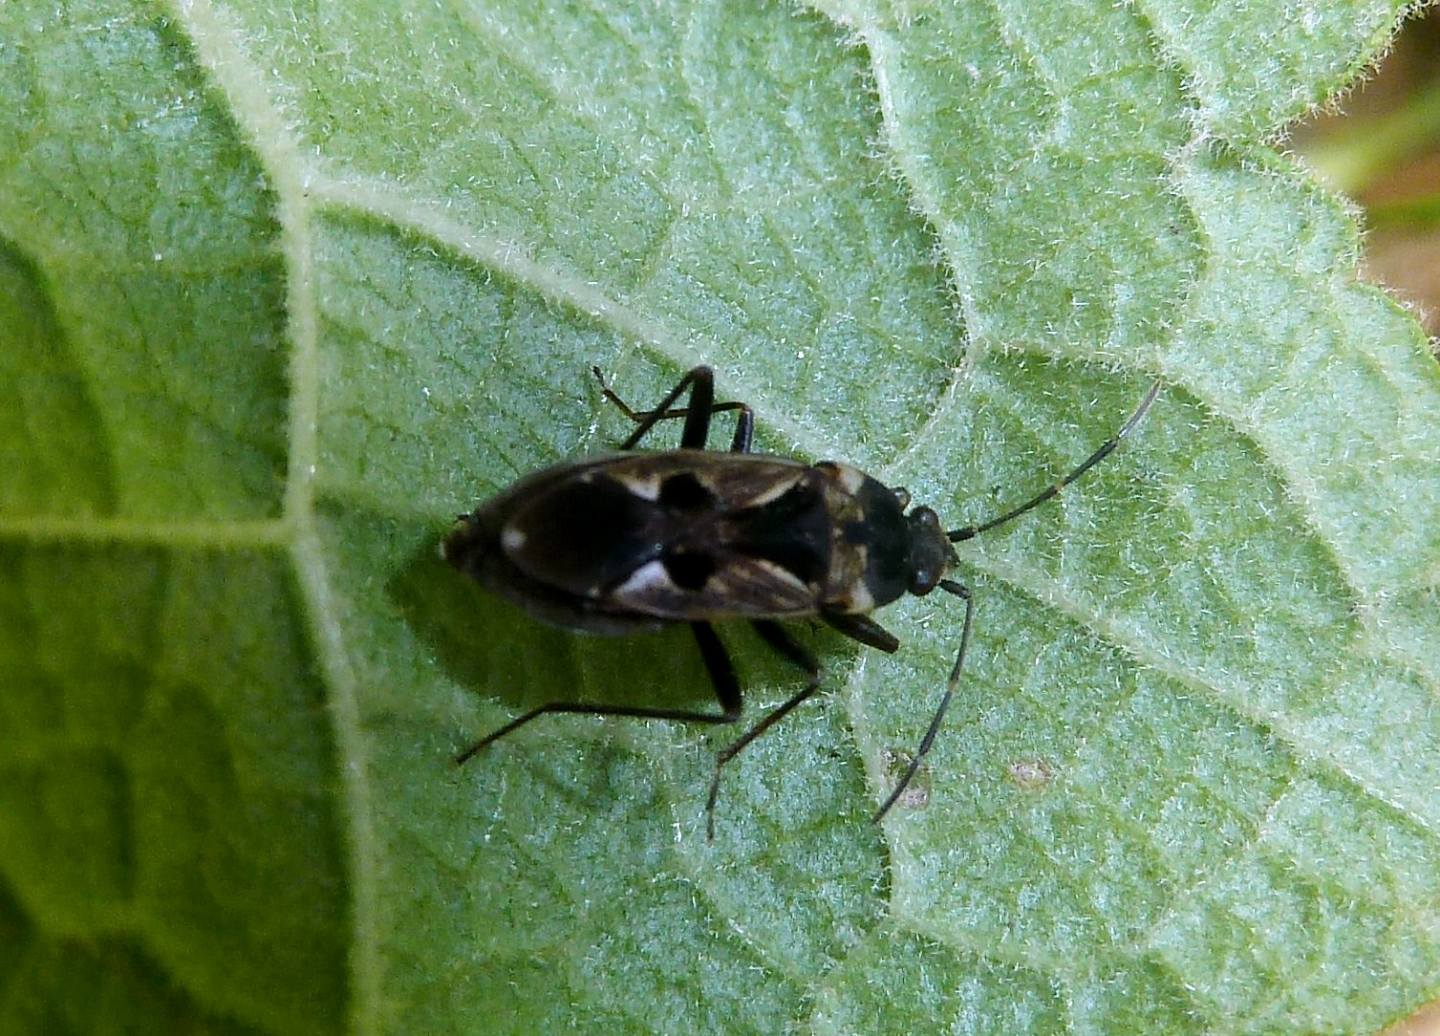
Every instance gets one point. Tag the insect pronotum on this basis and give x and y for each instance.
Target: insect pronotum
(630, 541)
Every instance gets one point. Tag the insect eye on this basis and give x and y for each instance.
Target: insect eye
(683, 492)
(926, 519)
(930, 552)
(689, 570)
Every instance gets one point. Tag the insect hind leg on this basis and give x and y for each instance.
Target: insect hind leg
(700, 380)
(591, 709)
(717, 663)
(774, 635)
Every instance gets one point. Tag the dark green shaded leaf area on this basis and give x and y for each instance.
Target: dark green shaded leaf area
(283, 289)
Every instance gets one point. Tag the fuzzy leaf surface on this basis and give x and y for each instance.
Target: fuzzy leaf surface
(284, 288)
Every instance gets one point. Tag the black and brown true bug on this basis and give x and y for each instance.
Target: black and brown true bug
(626, 542)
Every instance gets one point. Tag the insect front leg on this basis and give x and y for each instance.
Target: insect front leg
(774, 635)
(700, 380)
(963, 592)
(717, 662)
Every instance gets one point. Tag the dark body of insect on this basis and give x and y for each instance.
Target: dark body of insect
(636, 541)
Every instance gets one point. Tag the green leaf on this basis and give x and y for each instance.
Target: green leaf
(286, 288)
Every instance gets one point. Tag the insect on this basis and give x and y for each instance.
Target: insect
(630, 541)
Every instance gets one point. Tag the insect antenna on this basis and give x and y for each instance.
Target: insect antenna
(1053, 490)
(964, 593)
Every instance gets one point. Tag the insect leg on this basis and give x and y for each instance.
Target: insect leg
(727, 689)
(864, 629)
(743, 427)
(1106, 448)
(721, 670)
(774, 635)
(963, 592)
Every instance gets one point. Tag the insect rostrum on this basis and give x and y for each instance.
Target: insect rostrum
(636, 541)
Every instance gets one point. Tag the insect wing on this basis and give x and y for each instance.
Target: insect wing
(725, 536)
(737, 587)
(584, 534)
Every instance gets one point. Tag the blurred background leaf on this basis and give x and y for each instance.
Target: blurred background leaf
(1381, 146)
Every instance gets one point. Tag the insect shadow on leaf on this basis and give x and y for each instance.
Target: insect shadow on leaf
(631, 541)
